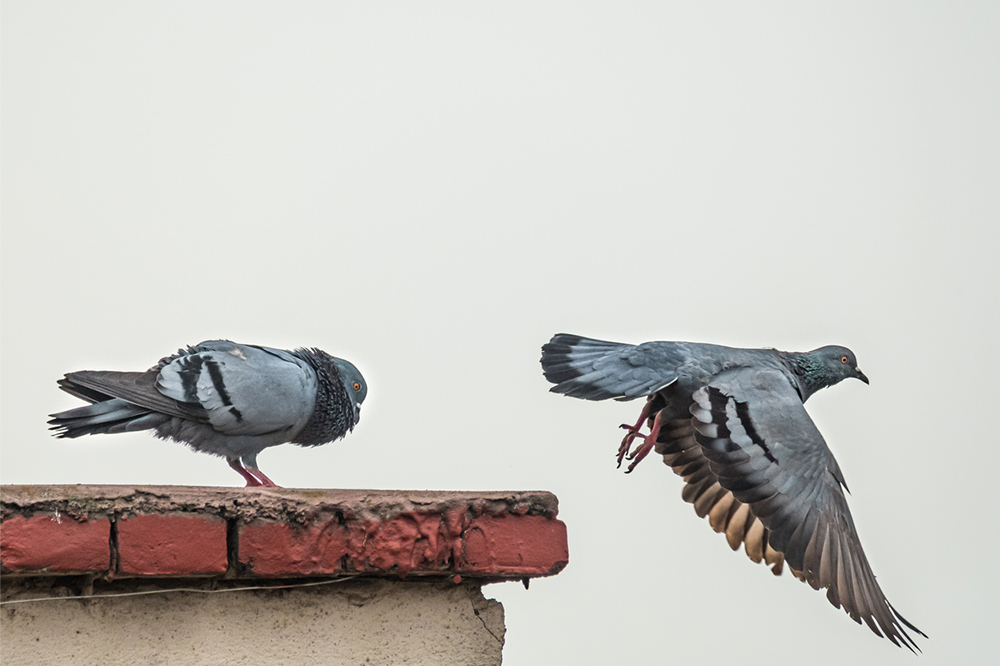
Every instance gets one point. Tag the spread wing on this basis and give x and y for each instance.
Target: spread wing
(726, 514)
(763, 448)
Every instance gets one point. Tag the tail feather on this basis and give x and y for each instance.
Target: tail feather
(107, 416)
(574, 364)
(597, 370)
(136, 388)
(82, 392)
(566, 353)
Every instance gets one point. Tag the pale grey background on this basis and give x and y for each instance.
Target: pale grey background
(432, 189)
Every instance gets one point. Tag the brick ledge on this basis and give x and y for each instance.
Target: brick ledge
(160, 531)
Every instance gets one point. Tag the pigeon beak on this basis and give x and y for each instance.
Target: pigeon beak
(861, 375)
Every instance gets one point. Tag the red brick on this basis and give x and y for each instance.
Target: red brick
(511, 545)
(179, 532)
(410, 541)
(275, 549)
(54, 544)
(172, 545)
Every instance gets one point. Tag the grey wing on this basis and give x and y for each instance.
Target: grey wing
(140, 389)
(763, 448)
(135, 388)
(726, 514)
(598, 370)
(243, 389)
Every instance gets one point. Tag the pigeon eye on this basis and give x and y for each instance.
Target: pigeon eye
(843, 359)
(357, 386)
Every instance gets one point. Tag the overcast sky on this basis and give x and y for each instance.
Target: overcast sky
(431, 190)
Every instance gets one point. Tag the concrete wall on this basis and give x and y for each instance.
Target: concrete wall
(356, 621)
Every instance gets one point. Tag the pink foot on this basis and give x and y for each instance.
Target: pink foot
(262, 478)
(647, 445)
(633, 432)
(251, 480)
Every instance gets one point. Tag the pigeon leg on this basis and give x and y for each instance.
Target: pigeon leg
(647, 444)
(250, 462)
(633, 432)
(262, 478)
(250, 478)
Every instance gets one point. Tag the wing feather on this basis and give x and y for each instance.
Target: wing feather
(726, 514)
(762, 446)
(137, 388)
(243, 389)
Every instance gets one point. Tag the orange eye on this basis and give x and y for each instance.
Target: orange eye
(843, 359)
(357, 386)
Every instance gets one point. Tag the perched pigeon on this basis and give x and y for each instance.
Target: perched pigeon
(223, 398)
(732, 423)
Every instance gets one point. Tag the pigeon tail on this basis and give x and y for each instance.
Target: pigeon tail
(106, 417)
(571, 363)
(597, 370)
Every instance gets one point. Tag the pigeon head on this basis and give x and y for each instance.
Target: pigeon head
(339, 393)
(355, 384)
(827, 366)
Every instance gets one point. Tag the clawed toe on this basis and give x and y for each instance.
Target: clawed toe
(648, 442)
(640, 453)
(626, 445)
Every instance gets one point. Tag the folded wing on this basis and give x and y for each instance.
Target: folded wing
(243, 389)
(237, 389)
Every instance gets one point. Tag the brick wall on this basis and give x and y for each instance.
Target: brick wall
(411, 562)
(274, 533)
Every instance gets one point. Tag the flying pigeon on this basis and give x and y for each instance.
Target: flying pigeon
(732, 423)
(223, 398)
